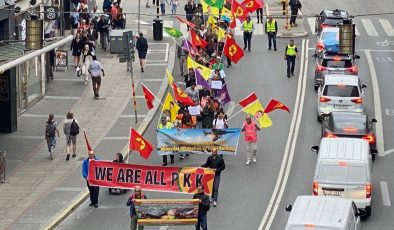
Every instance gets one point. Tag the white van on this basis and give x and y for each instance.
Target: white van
(334, 213)
(343, 169)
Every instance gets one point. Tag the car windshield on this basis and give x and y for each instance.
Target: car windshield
(337, 64)
(341, 91)
(330, 36)
(333, 21)
(356, 122)
(344, 174)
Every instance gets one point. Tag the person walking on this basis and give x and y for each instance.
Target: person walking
(93, 190)
(193, 92)
(50, 134)
(190, 9)
(216, 162)
(71, 130)
(203, 208)
(271, 28)
(181, 54)
(294, 6)
(95, 70)
(259, 12)
(250, 128)
(174, 5)
(92, 35)
(131, 202)
(164, 124)
(163, 6)
(76, 48)
(247, 27)
(291, 52)
(87, 58)
(220, 121)
(142, 48)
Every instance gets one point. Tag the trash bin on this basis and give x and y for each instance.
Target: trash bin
(157, 29)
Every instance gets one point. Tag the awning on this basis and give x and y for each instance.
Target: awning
(35, 53)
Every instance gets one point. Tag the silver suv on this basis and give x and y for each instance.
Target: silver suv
(340, 93)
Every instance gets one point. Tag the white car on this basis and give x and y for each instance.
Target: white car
(340, 93)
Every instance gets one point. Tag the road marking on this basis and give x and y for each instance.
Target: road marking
(387, 27)
(389, 112)
(163, 227)
(290, 145)
(142, 22)
(387, 152)
(357, 32)
(258, 29)
(312, 24)
(377, 104)
(369, 27)
(116, 138)
(68, 189)
(385, 194)
(62, 97)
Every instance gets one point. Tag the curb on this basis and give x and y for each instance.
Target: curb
(292, 35)
(141, 129)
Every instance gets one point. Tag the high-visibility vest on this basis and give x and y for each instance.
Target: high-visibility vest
(270, 26)
(247, 26)
(167, 126)
(291, 50)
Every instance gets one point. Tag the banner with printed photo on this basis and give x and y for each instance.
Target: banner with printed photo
(150, 177)
(151, 212)
(200, 141)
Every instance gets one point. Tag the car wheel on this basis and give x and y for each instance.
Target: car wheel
(318, 118)
(368, 211)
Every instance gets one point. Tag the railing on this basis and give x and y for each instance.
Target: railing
(2, 167)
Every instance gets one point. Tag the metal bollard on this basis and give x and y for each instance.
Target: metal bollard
(2, 167)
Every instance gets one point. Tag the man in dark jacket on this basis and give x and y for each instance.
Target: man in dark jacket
(216, 162)
(190, 9)
(142, 47)
(203, 208)
(102, 28)
(133, 215)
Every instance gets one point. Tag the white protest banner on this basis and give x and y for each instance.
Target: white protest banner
(194, 110)
(216, 84)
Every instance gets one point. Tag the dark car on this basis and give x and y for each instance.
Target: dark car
(334, 64)
(329, 18)
(349, 124)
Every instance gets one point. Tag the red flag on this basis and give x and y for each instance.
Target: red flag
(186, 22)
(232, 50)
(275, 104)
(248, 100)
(251, 5)
(239, 11)
(149, 96)
(138, 143)
(182, 96)
(87, 142)
(196, 40)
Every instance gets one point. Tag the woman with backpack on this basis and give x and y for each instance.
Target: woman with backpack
(50, 134)
(71, 130)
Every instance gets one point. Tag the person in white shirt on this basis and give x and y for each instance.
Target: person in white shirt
(220, 122)
(95, 70)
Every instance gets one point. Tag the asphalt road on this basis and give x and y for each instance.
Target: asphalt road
(246, 191)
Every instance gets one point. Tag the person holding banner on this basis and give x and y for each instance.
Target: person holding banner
(130, 202)
(187, 121)
(93, 190)
(164, 124)
(216, 162)
(203, 208)
(250, 128)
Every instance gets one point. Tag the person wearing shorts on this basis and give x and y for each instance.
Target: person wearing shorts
(71, 140)
(142, 47)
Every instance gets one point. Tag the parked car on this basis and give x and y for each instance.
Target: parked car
(343, 169)
(331, 18)
(323, 212)
(334, 64)
(340, 93)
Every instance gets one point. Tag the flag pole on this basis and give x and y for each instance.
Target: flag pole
(232, 116)
(153, 94)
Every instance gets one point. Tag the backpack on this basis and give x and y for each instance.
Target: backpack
(51, 129)
(74, 128)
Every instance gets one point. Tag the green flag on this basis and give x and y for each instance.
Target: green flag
(215, 3)
(173, 32)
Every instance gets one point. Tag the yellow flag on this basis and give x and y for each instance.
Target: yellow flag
(211, 20)
(209, 9)
(170, 77)
(221, 34)
(226, 12)
(170, 105)
(257, 111)
(205, 71)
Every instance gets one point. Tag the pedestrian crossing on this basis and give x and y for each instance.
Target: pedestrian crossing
(364, 27)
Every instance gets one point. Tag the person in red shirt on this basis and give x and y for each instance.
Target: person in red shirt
(250, 128)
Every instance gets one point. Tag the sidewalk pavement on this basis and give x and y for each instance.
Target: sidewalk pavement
(39, 191)
(274, 8)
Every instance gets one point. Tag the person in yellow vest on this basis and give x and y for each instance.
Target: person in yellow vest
(164, 124)
(271, 28)
(291, 53)
(247, 27)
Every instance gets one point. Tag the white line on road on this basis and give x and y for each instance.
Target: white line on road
(385, 194)
(387, 152)
(286, 161)
(369, 27)
(163, 227)
(377, 104)
(312, 24)
(387, 27)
